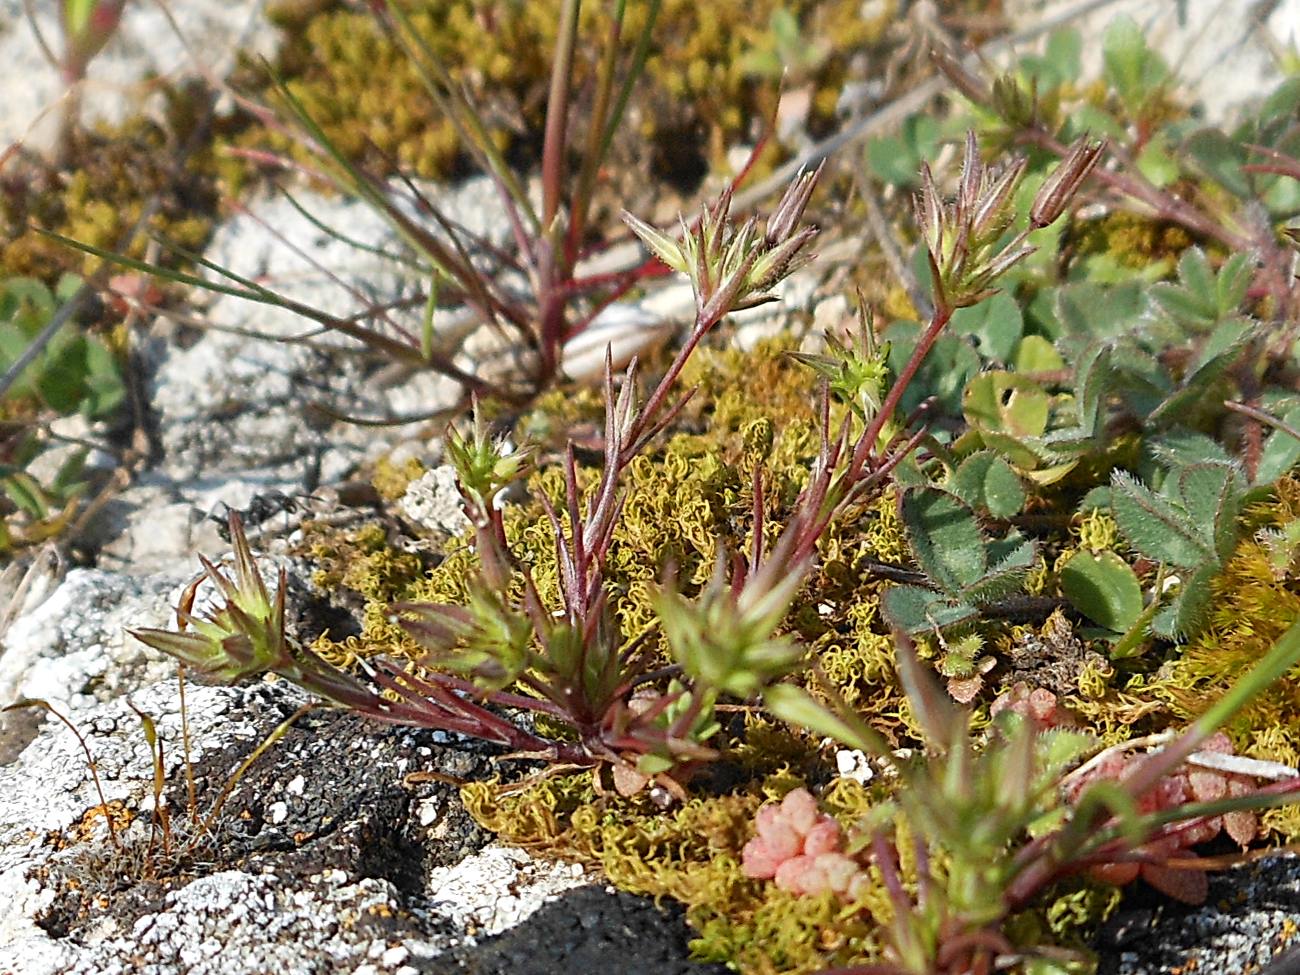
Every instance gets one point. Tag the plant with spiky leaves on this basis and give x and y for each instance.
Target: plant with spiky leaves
(571, 663)
(507, 647)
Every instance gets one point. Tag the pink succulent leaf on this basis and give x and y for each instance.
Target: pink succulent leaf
(1207, 785)
(824, 837)
(839, 870)
(800, 810)
(799, 875)
(767, 819)
(1242, 826)
(1218, 742)
(783, 841)
(756, 861)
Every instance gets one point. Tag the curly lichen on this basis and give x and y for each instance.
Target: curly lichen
(693, 855)
(686, 503)
(688, 500)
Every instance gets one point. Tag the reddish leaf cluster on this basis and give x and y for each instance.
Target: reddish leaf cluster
(801, 849)
(1037, 705)
(1191, 784)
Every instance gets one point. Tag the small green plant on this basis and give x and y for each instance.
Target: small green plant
(1077, 448)
(783, 50)
(75, 372)
(964, 569)
(569, 664)
(172, 843)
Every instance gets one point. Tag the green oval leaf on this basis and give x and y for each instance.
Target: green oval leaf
(1103, 588)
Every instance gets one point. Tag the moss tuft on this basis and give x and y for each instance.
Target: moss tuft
(693, 854)
(116, 172)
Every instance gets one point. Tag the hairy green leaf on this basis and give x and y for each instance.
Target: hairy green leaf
(1007, 574)
(995, 324)
(1090, 388)
(1186, 612)
(1156, 526)
(915, 610)
(987, 481)
(1281, 450)
(945, 538)
(1036, 354)
(1211, 495)
(1130, 66)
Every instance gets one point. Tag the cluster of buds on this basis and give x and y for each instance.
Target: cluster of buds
(855, 367)
(730, 267)
(801, 849)
(485, 465)
(728, 640)
(239, 632)
(964, 238)
(1190, 784)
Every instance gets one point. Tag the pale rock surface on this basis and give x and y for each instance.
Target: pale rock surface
(72, 650)
(228, 920)
(146, 44)
(433, 501)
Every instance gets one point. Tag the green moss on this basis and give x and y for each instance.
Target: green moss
(1129, 242)
(362, 561)
(693, 855)
(685, 504)
(691, 498)
(116, 173)
(391, 479)
(370, 99)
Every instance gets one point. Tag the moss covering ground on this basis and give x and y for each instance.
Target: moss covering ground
(690, 499)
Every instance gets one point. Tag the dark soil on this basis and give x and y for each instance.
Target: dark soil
(588, 930)
(329, 796)
(1247, 921)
